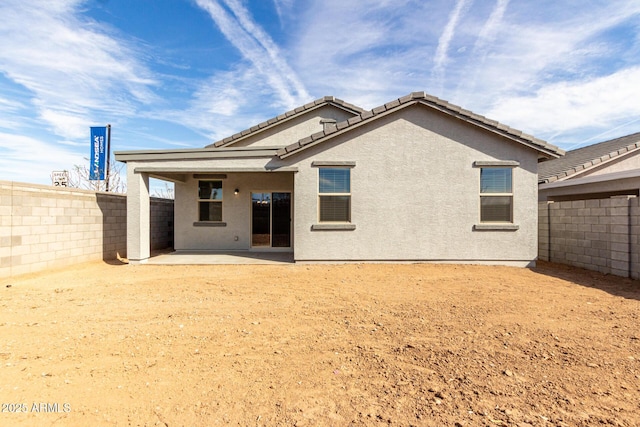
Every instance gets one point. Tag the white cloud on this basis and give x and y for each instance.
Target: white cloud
(482, 55)
(64, 122)
(484, 43)
(258, 48)
(334, 31)
(10, 105)
(22, 156)
(491, 27)
(476, 54)
(283, 7)
(551, 68)
(227, 102)
(272, 50)
(65, 60)
(563, 107)
(562, 80)
(367, 52)
(10, 113)
(440, 58)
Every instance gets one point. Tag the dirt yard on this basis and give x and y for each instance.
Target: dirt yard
(310, 345)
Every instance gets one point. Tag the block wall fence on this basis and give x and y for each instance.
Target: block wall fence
(45, 227)
(601, 235)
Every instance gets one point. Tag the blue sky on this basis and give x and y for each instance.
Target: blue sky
(185, 73)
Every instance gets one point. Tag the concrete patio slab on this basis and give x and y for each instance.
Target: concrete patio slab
(226, 257)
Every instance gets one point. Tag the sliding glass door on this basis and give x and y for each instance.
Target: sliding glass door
(271, 220)
(260, 219)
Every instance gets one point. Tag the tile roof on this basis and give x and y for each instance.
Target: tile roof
(584, 158)
(320, 102)
(433, 102)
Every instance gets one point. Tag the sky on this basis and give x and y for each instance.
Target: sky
(186, 73)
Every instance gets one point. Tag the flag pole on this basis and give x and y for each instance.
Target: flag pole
(108, 156)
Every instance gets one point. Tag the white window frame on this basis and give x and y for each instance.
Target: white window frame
(496, 165)
(334, 226)
(320, 195)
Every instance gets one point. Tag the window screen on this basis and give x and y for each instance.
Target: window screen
(496, 195)
(335, 180)
(495, 180)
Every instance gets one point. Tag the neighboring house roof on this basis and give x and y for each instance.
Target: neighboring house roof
(321, 102)
(432, 102)
(585, 158)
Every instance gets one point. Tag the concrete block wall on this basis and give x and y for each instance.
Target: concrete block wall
(543, 231)
(600, 234)
(47, 227)
(634, 236)
(161, 223)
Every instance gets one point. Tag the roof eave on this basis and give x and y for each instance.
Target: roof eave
(542, 147)
(193, 154)
(577, 170)
(285, 117)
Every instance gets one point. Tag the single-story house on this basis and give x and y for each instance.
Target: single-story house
(416, 179)
(610, 168)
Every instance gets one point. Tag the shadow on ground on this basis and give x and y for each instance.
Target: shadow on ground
(615, 285)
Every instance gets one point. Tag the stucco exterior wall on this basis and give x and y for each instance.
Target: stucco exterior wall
(45, 227)
(415, 193)
(295, 129)
(236, 210)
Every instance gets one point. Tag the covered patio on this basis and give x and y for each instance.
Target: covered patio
(230, 204)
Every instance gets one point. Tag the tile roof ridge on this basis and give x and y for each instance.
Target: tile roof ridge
(572, 169)
(287, 115)
(442, 105)
(608, 141)
(457, 110)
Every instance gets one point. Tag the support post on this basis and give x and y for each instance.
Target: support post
(138, 216)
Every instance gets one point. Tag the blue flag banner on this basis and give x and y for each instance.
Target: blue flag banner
(98, 153)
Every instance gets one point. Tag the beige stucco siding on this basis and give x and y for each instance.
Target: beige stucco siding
(236, 210)
(415, 193)
(292, 130)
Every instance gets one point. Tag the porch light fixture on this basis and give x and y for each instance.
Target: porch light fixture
(236, 191)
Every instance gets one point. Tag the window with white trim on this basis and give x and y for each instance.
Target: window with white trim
(210, 200)
(496, 194)
(334, 194)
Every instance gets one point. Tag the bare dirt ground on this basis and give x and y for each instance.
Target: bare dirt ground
(309, 345)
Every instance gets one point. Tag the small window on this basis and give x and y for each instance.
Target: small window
(210, 200)
(335, 195)
(496, 194)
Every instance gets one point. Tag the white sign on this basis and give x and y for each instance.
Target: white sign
(60, 178)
